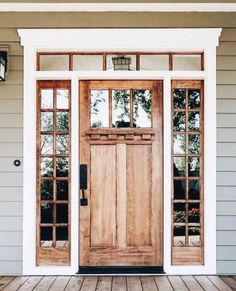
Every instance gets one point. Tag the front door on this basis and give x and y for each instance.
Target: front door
(121, 143)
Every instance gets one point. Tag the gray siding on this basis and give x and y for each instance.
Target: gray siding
(11, 121)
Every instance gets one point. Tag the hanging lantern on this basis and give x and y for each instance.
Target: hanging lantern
(3, 65)
(121, 63)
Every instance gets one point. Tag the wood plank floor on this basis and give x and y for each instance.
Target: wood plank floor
(118, 283)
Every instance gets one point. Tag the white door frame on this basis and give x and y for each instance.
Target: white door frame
(34, 40)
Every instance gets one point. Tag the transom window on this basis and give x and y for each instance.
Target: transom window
(131, 61)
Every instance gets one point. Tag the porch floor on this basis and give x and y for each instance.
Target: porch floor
(118, 283)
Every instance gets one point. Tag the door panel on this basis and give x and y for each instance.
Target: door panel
(122, 223)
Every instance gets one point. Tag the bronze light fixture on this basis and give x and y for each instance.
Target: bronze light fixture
(3, 65)
(121, 63)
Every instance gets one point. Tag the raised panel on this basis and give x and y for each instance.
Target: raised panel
(103, 195)
(139, 195)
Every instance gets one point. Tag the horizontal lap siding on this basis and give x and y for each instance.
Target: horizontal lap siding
(11, 121)
(11, 148)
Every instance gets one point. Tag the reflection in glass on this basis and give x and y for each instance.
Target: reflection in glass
(46, 98)
(110, 66)
(62, 121)
(194, 121)
(62, 190)
(179, 189)
(62, 144)
(46, 144)
(62, 166)
(179, 214)
(46, 167)
(62, 237)
(46, 237)
(193, 98)
(120, 108)
(46, 121)
(179, 98)
(62, 99)
(61, 213)
(193, 144)
(179, 167)
(142, 108)
(99, 108)
(179, 143)
(47, 213)
(46, 190)
(194, 236)
(179, 236)
(193, 213)
(179, 121)
(194, 167)
(194, 190)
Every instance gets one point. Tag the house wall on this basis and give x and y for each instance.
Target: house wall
(11, 119)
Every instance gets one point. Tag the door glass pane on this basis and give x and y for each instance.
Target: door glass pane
(46, 167)
(62, 237)
(62, 99)
(179, 236)
(179, 121)
(194, 236)
(62, 166)
(46, 190)
(46, 144)
(194, 98)
(194, 190)
(87, 62)
(179, 167)
(120, 108)
(47, 213)
(194, 144)
(46, 121)
(179, 213)
(62, 190)
(179, 143)
(99, 108)
(61, 213)
(62, 144)
(193, 213)
(179, 98)
(194, 167)
(46, 98)
(179, 189)
(194, 121)
(142, 108)
(62, 121)
(46, 237)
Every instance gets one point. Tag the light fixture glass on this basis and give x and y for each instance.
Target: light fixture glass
(3, 65)
(121, 63)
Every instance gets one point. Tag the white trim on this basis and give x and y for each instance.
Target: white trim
(118, 7)
(75, 39)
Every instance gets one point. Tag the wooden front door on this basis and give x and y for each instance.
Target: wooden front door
(121, 144)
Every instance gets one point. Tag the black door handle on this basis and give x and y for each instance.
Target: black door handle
(83, 184)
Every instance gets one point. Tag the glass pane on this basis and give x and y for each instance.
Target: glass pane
(46, 144)
(194, 236)
(87, 63)
(62, 165)
(46, 237)
(46, 190)
(142, 108)
(194, 144)
(179, 214)
(62, 121)
(193, 213)
(46, 167)
(194, 167)
(179, 236)
(62, 190)
(179, 98)
(179, 189)
(47, 213)
(194, 121)
(120, 108)
(46, 121)
(179, 143)
(62, 237)
(54, 63)
(194, 190)
(62, 213)
(62, 144)
(179, 121)
(154, 62)
(179, 167)
(187, 62)
(99, 108)
(62, 99)
(46, 98)
(110, 66)
(194, 98)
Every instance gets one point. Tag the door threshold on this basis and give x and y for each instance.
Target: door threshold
(102, 270)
